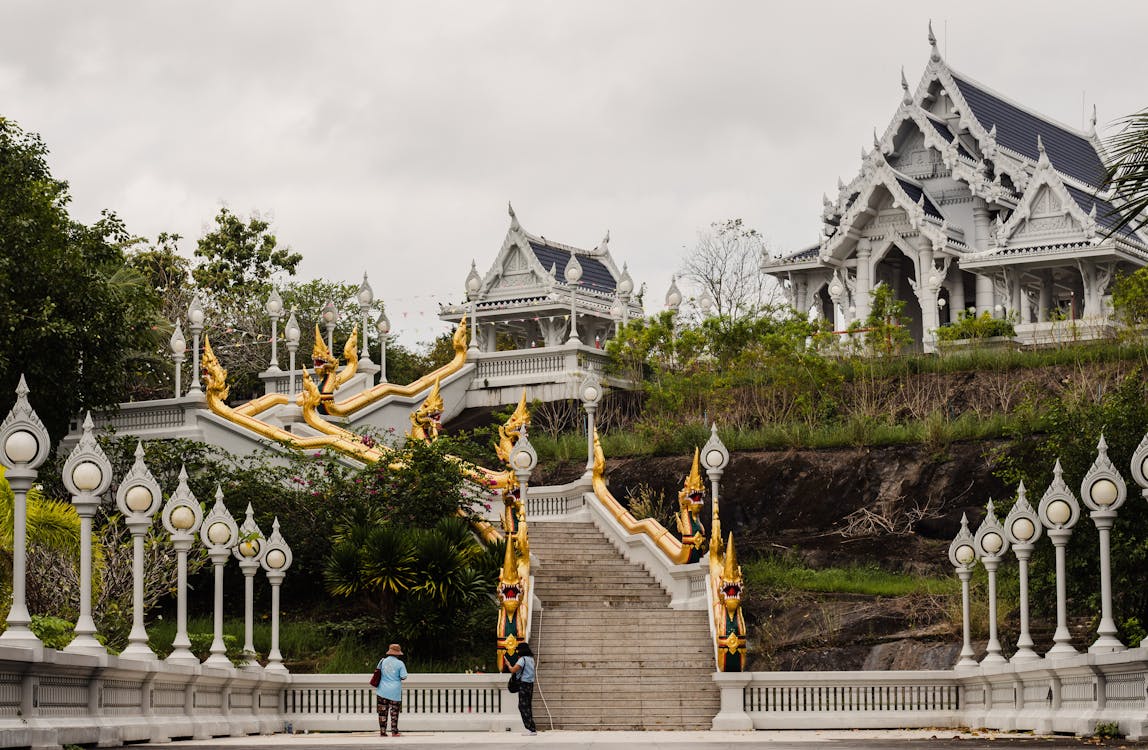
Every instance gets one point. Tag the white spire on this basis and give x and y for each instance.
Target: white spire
(935, 54)
(906, 97)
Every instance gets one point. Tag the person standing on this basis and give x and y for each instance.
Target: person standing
(389, 693)
(525, 664)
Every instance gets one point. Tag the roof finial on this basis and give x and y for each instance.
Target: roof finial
(935, 55)
(1094, 118)
(876, 140)
(1043, 159)
(513, 219)
(907, 98)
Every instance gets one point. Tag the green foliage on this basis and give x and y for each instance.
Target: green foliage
(788, 572)
(887, 325)
(239, 257)
(1107, 730)
(1126, 173)
(55, 632)
(1130, 297)
(971, 326)
(71, 311)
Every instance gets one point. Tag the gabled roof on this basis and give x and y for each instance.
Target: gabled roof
(595, 275)
(1106, 214)
(916, 192)
(1071, 153)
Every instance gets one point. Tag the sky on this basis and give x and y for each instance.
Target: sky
(388, 137)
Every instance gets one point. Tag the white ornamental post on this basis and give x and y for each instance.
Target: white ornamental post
(991, 544)
(715, 457)
(87, 474)
(1022, 526)
(291, 335)
(276, 560)
(195, 322)
(365, 296)
(473, 285)
(963, 556)
(249, 552)
(330, 317)
(1059, 512)
(1103, 490)
(181, 517)
(219, 534)
(523, 460)
(591, 395)
(383, 326)
(178, 348)
(274, 309)
(625, 288)
(138, 498)
(573, 273)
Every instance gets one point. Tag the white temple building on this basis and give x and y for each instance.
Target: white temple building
(968, 200)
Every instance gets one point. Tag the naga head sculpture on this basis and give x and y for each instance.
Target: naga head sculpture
(693, 493)
(509, 433)
(426, 420)
(324, 361)
(509, 584)
(731, 580)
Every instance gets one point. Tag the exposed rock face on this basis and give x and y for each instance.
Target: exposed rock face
(897, 507)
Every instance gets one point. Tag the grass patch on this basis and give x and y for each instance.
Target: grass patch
(789, 573)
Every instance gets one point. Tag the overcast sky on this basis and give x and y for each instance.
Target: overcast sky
(388, 137)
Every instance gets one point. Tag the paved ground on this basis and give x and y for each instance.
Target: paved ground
(795, 740)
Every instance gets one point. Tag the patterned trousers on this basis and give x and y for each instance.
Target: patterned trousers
(526, 705)
(388, 707)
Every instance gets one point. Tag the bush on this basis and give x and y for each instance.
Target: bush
(982, 326)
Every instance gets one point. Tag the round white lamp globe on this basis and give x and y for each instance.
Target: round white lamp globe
(87, 476)
(21, 447)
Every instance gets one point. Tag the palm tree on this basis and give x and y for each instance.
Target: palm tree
(1127, 172)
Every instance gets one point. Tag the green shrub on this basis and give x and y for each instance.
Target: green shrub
(55, 632)
(969, 326)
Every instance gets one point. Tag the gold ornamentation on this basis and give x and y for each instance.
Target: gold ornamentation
(512, 604)
(509, 432)
(425, 420)
(729, 620)
(690, 502)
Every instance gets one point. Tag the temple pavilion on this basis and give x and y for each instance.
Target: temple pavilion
(968, 201)
(527, 297)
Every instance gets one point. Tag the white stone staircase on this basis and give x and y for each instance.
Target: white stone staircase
(611, 653)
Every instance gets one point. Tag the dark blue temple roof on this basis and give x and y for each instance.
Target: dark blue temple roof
(1106, 214)
(915, 192)
(948, 135)
(809, 253)
(594, 274)
(1072, 154)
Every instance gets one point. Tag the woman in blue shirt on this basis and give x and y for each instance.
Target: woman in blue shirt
(389, 693)
(525, 664)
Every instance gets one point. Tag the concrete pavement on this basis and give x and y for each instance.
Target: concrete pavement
(562, 740)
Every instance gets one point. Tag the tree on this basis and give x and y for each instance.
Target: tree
(724, 262)
(1126, 172)
(241, 258)
(74, 317)
(887, 327)
(1130, 297)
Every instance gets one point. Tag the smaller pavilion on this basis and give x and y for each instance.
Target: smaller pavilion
(526, 299)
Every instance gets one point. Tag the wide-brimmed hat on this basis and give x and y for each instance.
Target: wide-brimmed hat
(394, 650)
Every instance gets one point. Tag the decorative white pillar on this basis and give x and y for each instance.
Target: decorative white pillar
(87, 474)
(274, 310)
(963, 556)
(219, 534)
(276, 560)
(864, 279)
(473, 285)
(625, 289)
(365, 296)
(617, 310)
(249, 552)
(23, 447)
(1103, 490)
(291, 334)
(1059, 512)
(1044, 299)
(523, 459)
(591, 396)
(181, 517)
(991, 544)
(138, 498)
(195, 322)
(1022, 526)
(383, 326)
(330, 317)
(573, 273)
(715, 457)
(837, 295)
(178, 347)
(985, 295)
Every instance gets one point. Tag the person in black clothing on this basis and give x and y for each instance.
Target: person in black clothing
(524, 663)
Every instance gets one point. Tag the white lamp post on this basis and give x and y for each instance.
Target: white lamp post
(991, 543)
(625, 289)
(365, 296)
(138, 498)
(673, 296)
(616, 311)
(195, 322)
(963, 556)
(330, 317)
(1059, 512)
(249, 552)
(181, 517)
(291, 334)
(523, 459)
(383, 326)
(178, 347)
(87, 474)
(276, 560)
(591, 394)
(1103, 490)
(715, 457)
(274, 309)
(23, 447)
(706, 304)
(219, 534)
(1022, 527)
(473, 285)
(573, 273)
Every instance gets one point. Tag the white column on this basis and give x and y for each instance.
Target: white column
(956, 293)
(218, 656)
(1062, 638)
(994, 655)
(1024, 642)
(985, 295)
(274, 657)
(181, 644)
(864, 279)
(1107, 640)
(967, 654)
(1044, 301)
